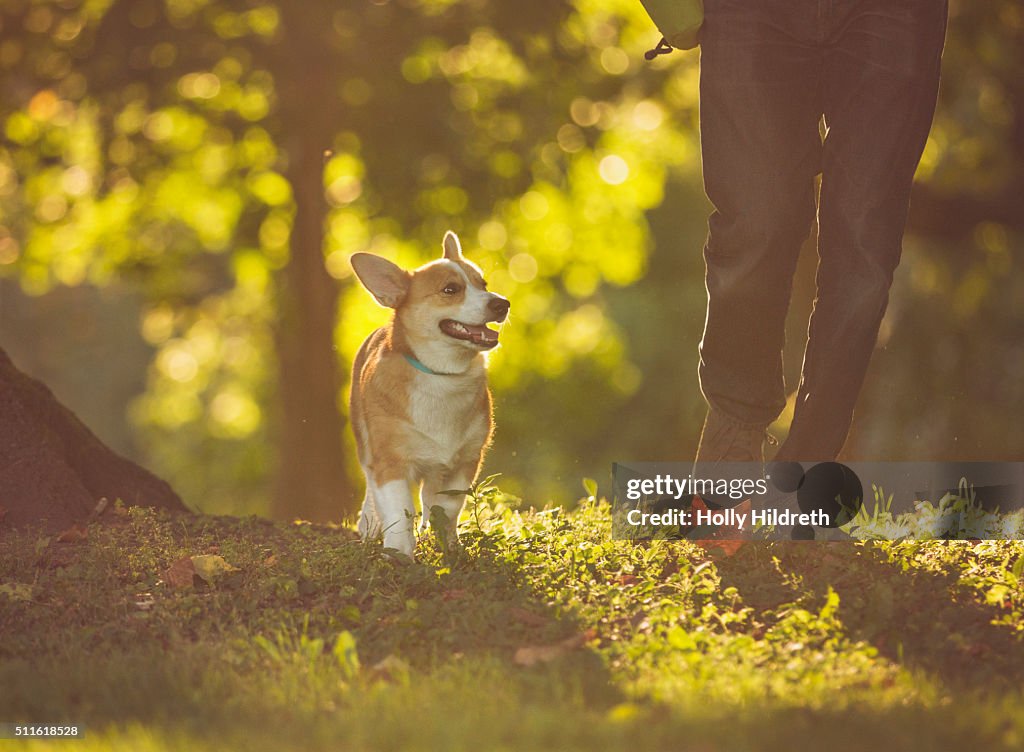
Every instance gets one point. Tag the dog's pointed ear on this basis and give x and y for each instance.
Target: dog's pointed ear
(452, 246)
(387, 282)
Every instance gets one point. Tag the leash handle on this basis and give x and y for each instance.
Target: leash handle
(663, 48)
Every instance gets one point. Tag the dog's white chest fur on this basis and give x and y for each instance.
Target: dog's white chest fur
(445, 415)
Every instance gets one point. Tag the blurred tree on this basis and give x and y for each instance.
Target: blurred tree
(205, 148)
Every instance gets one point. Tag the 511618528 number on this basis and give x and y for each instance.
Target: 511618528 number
(41, 730)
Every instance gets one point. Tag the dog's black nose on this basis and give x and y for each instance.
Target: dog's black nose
(499, 306)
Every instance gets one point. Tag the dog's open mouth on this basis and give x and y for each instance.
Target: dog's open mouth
(478, 334)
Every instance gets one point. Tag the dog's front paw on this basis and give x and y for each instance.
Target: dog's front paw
(403, 543)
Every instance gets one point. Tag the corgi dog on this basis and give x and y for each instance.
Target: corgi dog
(420, 406)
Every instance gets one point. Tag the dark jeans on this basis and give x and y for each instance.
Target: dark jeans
(770, 69)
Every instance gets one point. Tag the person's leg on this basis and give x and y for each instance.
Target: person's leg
(759, 111)
(881, 83)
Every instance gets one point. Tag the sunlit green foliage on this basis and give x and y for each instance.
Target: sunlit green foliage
(543, 633)
(146, 147)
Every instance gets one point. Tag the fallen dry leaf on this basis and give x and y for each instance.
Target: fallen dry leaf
(726, 545)
(211, 566)
(535, 654)
(17, 591)
(179, 575)
(73, 534)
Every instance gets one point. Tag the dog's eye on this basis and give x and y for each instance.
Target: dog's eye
(451, 288)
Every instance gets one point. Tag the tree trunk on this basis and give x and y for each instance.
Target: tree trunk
(52, 468)
(312, 482)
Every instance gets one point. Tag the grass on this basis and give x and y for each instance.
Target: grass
(543, 633)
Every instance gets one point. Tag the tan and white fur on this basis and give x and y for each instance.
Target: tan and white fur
(420, 407)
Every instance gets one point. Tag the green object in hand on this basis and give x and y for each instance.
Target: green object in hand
(677, 20)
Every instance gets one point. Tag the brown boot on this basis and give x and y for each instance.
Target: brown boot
(724, 439)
